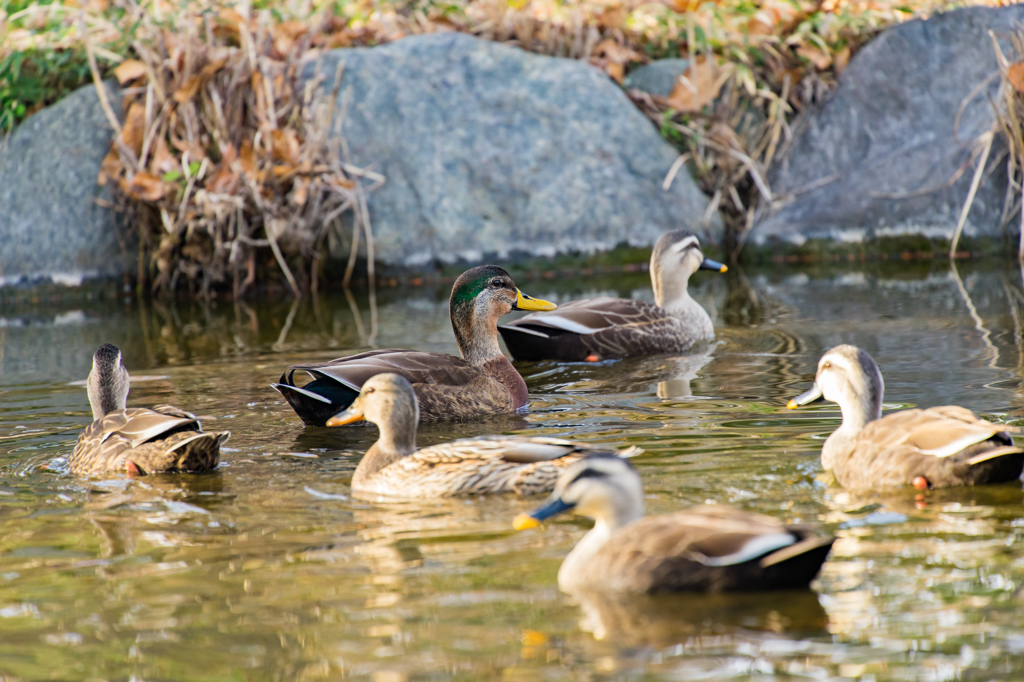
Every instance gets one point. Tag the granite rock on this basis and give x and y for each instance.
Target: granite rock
(490, 151)
(880, 156)
(52, 226)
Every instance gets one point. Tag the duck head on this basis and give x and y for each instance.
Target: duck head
(605, 488)
(481, 296)
(388, 401)
(848, 376)
(108, 382)
(675, 257)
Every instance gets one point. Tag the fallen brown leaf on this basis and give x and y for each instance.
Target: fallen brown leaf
(815, 55)
(697, 87)
(1015, 74)
(188, 89)
(146, 187)
(134, 129)
(129, 70)
(163, 160)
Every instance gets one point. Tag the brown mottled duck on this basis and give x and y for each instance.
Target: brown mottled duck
(393, 467)
(704, 549)
(482, 381)
(938, 447)
(137, 440)
(600, 328)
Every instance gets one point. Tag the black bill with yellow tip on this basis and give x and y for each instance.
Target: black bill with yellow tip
(708, 264)
(806, 398)
(352, 414)
(533, 519)
(524, 302)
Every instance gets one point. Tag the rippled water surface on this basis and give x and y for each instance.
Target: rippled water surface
(269, 570)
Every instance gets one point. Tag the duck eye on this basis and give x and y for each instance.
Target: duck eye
(370, 389)
(496, 282)
(826, 365)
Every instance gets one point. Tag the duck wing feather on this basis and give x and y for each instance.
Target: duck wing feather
(496, 464)
(446, 386)
(164, 438)
(711, 549)
(604, 327)
(947, 445)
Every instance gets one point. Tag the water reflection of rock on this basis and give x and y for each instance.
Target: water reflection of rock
(666, 619)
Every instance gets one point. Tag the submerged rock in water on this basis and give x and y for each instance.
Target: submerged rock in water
(490, 150)
(881, 158)
(52, 224)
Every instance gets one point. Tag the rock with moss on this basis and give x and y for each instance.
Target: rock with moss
(55, 224)
(490, 151)
(884, 157)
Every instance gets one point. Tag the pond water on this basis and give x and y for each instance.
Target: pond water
(269, 570)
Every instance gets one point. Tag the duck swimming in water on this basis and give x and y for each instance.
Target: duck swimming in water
(600, 328)
(481, 382)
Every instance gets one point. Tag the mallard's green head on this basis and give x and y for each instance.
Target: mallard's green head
(480, 297)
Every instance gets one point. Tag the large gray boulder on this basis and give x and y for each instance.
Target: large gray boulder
(51, 226)
(877, 159)
(492, 151)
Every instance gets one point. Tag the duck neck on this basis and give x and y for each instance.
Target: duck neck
(107, 391)
(476, 331)
(858, 411)
(576, 562)
(670, 289)
(392, 445)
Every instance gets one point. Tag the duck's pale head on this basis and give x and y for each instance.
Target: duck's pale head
(480, 297)
(605, 488)
(848, 376)
(676, 256)
(108, 382)
(387, 400)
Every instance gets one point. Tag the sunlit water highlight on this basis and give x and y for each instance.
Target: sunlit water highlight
(270, 570)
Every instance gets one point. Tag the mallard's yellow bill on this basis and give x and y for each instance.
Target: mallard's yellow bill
(524, 302)
(347, 417)
(524, 521)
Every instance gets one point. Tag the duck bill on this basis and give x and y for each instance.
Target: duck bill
(524, 302)
(806, 398)
(352, 414)
(533, 519)
(708, 264)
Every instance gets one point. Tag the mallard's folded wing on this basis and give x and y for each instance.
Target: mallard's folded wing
(336, 383)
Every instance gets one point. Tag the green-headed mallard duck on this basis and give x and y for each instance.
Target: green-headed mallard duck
(600, 328)
(934, 448)
(482, 381)
(703, 549)
(137, 440)
(471, 466)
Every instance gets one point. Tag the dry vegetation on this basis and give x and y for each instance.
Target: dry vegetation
(223, 155)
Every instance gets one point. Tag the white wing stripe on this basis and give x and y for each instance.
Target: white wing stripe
(754, 548)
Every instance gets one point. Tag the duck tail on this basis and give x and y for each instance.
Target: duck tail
(994, 453)
(807, 546)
